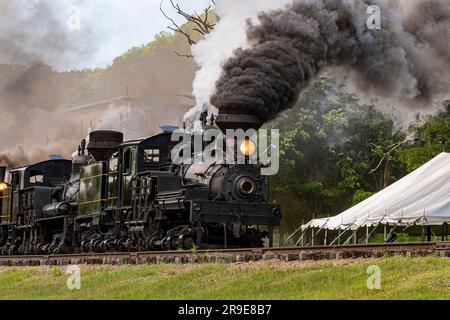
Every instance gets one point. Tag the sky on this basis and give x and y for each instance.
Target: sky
(123, 24)
(77, 34)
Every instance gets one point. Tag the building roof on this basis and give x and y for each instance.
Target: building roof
(102, 103)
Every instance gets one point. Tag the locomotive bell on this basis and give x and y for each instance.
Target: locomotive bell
(103, 143)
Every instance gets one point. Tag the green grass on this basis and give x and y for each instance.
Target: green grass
(402, 278)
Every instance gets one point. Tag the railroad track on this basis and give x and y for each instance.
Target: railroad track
(232, 255)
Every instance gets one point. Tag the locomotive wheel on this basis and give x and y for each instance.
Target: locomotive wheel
(94, 245)
(38, 248)
(141, 245)
(169, 243)
(129, 244)
(151, 243)
(165, 243)
(12, 250)
(187, 242)
(5, 250)
(83, 246)
(120, 245)
(107, 246)
(174, 243)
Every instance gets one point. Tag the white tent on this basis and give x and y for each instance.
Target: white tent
(420, 198)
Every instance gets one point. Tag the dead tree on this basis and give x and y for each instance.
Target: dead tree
(201, 22)
(387, 152)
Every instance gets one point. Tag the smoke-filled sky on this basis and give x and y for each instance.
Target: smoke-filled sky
(61, 33)
(403, 62)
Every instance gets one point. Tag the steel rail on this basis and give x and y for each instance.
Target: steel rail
(135, 256)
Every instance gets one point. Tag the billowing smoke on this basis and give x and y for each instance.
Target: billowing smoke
(228, 35)
(43, 31)
(29, 125)
(19, 155)
(34, 35)
(405, 63)
(41, 39)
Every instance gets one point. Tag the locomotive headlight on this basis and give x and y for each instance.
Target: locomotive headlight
(248, 148)
(3, 186)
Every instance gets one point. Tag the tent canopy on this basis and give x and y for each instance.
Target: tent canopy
(420, 198)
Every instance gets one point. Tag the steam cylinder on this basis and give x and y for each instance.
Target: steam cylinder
(57, 209)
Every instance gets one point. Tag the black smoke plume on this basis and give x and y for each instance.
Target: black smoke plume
(405, 62)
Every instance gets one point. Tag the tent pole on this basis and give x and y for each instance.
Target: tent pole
(291, 236)
(423, 233)
(392, 231)
(367, 235)
(301, 238)
(314, 235)
(352, 236)
(428, 233)
(374, 229)
(326, 236)
(444, 232)
(339, 236)
(348, 239)
(433, 235)
(312, 231)
(355, 237)
(385, 231)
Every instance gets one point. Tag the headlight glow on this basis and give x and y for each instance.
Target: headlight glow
(248, 148)
(3, 186)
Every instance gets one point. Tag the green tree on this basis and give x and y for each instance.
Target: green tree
(431, 138)
(330, 154)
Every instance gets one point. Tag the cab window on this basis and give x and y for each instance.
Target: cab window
(114, 163)
(127, 161)
(36, 176)
(152, 155)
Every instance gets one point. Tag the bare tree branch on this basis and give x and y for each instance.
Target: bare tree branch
(386, 154)
(201, 22)
(187, 96)
(176, 27)
(183, 55)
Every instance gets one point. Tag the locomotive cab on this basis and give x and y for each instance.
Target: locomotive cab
(29, 191)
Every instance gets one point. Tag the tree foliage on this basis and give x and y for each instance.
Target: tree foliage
(336, 152)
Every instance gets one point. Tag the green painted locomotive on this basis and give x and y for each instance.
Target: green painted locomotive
(129, 196)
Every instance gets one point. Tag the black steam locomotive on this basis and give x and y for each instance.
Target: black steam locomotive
(116, 196)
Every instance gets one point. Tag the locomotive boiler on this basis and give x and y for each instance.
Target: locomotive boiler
(130, 196)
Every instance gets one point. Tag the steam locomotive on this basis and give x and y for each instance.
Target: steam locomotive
(129, 196)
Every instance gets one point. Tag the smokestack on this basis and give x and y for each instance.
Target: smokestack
(103, 143)
(2, 174)
(227, 121)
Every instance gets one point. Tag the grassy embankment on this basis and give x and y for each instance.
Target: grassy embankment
(402, 278)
